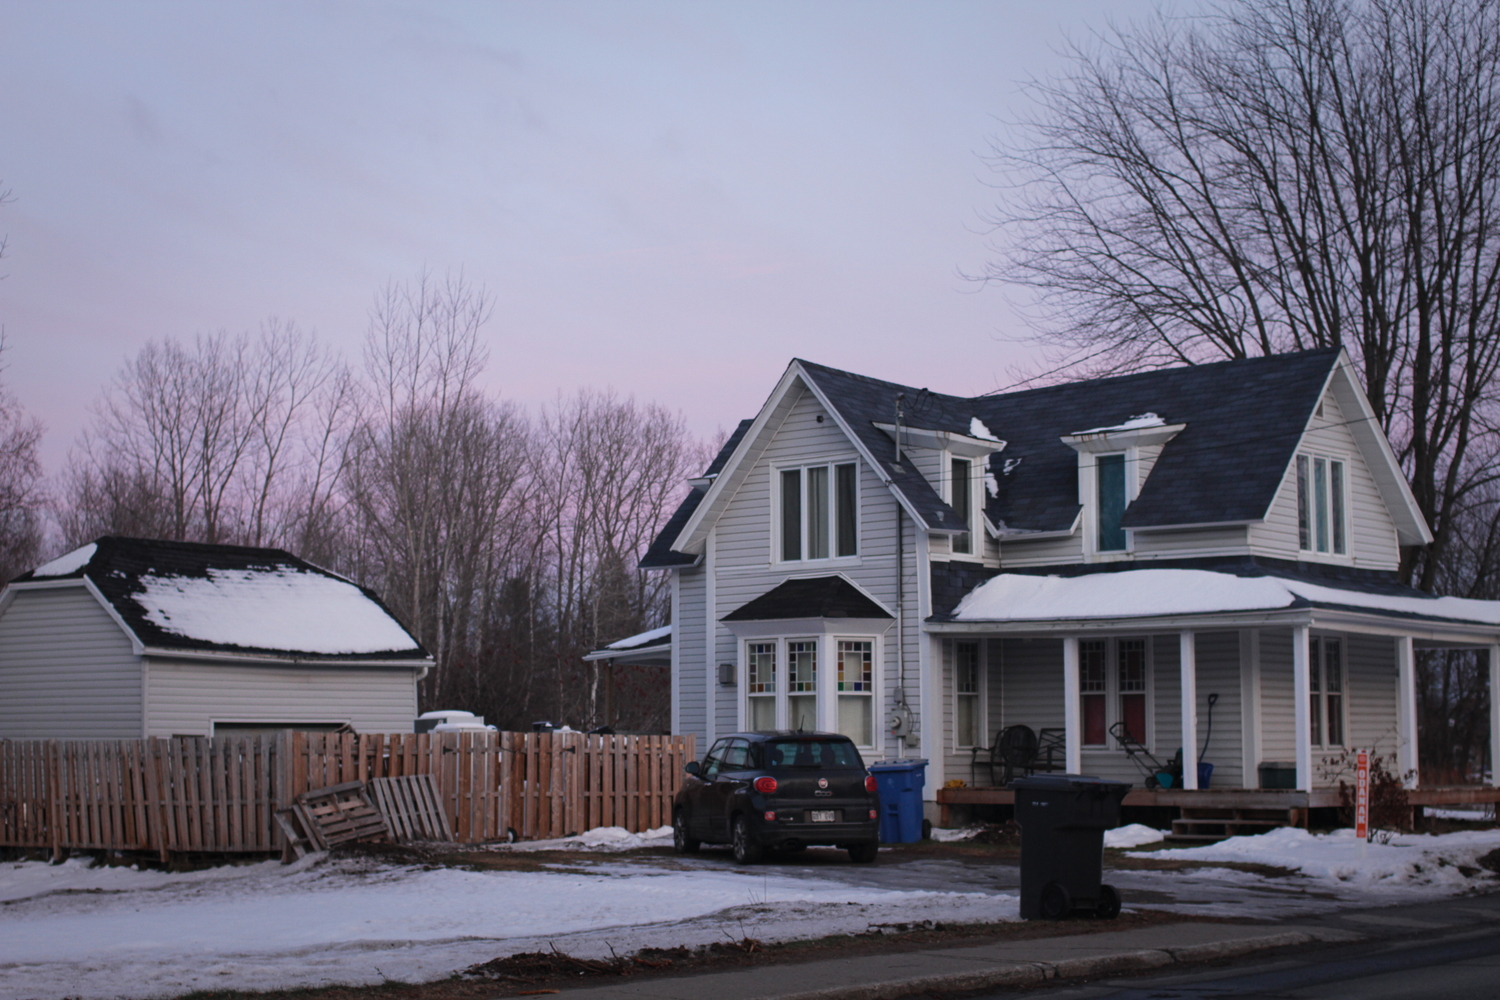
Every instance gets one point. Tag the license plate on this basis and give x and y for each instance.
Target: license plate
(823, 816)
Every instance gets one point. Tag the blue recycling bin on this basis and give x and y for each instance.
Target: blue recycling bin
(900, 783)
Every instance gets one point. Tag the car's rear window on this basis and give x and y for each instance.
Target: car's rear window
(784, 754)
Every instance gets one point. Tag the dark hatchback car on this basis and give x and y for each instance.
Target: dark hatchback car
(779, 791)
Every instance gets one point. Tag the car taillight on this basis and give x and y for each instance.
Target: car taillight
(765, 784)
(870, 784)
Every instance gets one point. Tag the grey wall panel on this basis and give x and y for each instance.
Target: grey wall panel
(690, 667)
(1370, 697)
(1278, 738)
(187, 697)
(66, 669)
(1219, 673)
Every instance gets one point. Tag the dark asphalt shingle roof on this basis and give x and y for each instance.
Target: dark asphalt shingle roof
(120, 568)
(1244, 419)
(815, 597)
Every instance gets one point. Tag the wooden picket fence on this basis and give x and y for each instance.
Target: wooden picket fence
(219, 795)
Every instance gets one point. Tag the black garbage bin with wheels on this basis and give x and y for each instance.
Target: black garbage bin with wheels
(1063, 818)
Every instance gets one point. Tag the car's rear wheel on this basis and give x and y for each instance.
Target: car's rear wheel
(863, 853)
(747, 850)
(681, 842)
(1109, 903)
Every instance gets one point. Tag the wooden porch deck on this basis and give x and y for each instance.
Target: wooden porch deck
(1294, 804)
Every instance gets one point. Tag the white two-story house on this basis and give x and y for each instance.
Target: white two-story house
(1209, 550)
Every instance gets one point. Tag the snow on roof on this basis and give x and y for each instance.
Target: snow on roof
(1149, 592)
(70, 563)
(1133, 424)
(643, 639)
(977, 429)
(282, 608)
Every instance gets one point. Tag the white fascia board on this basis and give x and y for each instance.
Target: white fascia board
(615, 654)
(136, 646)
(289, 660)
(1198, 524)
(1022, 535)
(1411, 526)
(1134, 437)
(690, 539)
(875, 466)
(765, 627)
(1146, 625)
(959, 444)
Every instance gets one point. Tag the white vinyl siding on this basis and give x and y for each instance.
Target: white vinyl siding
(1229, 540)
(1370, 693)
(1278, 740)
(1219, 673)
(188, 696)
(746, 566)
(1372, 532)
(67, 670)
(692, 671)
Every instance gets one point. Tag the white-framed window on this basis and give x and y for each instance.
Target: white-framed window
(1114, 687)
(802, 684)
(1326, 681)
(963, 478)
(968, 693)
(1111, 496)
(760, 686)
(817, 511)
(787, 685)
(1322, 520)
(856, 687)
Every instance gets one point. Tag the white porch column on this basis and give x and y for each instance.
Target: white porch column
(1302, 704)
(1187, 644)
(1072, 724)
(1406, 709)
(1495, 715)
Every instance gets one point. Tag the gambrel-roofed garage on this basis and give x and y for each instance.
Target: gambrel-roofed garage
(127, 638)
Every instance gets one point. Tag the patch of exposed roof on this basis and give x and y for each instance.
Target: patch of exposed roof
(815, 597)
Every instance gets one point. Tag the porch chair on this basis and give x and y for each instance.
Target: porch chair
(1014, 751)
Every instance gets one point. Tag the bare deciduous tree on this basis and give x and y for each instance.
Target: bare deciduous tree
(1277, 176)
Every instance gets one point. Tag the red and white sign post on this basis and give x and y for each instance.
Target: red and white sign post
(1362, 796)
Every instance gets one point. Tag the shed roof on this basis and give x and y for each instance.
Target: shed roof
(196, 598)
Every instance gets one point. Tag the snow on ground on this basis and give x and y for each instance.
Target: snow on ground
(1134, 835)
(76, 931)
(601, 838)
(1422, 862)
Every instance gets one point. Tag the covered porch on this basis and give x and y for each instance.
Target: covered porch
(1276, 681)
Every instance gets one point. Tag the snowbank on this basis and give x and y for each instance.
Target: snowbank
(1134, 835)
(602, 838)
(1416, 861)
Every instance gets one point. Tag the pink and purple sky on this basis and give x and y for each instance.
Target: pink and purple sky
(670, 198)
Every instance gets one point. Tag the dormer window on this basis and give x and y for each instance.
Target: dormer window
(819, 512)
(1110, 477)
(1320, 505)
(961, 499)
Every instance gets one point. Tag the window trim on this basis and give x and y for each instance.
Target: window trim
(980, 694)
(1336, 508)
(805, 536)
(827, 693)
(1088, 488)
(1113, 696)
(976, 531)
(1317, 697)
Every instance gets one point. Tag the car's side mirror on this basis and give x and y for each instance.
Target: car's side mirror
(691, 767)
